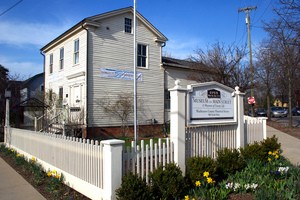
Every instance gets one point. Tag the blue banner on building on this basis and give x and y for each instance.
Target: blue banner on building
(120, 74)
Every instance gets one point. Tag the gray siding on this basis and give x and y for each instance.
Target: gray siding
(110, 47)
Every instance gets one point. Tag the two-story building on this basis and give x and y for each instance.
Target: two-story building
(93, 61)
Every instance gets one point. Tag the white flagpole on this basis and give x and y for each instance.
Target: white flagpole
(134, 75)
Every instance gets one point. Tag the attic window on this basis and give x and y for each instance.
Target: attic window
(128, 25)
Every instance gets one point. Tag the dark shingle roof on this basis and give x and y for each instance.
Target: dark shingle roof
(185, 64)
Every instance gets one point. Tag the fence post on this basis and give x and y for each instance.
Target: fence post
(240, 131)
(112, 167)
(177, 123)
(264, 121)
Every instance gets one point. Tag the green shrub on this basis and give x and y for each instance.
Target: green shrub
(167, 182)
(270, 144)
(253, 151)
(133, 187)
(228, 162)
(196, 166)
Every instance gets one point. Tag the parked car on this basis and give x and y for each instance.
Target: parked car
(278, 112)
(286, 110)
(261, 112)
(296, 111)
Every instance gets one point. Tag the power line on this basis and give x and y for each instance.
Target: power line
(10, 8)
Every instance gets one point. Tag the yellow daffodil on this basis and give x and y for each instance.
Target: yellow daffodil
(33, 159)
(270, 153)
(57, 176)
(276, 156)
(197, 183)
(210, 180)
(269, 159)
(186, 197)
(49, 174)
(206, 174)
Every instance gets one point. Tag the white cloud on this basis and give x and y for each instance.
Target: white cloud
(181, 48)
(21, 33)
(21, 70)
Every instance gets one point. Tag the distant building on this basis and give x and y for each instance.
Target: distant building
(32, 102)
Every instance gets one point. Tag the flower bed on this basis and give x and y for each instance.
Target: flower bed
(258, 171)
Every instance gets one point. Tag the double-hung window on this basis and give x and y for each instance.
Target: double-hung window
(76, 51)
(128, 25)
(51, 63)
(61, 58)
(142, 55)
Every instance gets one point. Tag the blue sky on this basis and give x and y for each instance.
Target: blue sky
(188, 25)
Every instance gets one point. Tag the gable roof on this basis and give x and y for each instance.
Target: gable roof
(29, 80)
(93, 21)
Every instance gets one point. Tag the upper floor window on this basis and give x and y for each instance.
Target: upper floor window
(51, 63)
(61, 58)
(76, 51)
(142, 55)
(128, 25)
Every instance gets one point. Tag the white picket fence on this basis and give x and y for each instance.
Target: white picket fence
(80, 161)
(147, 157)
(255, 128)
(95, 169)
(207, 140)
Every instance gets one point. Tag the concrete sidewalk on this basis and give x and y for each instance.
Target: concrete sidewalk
(13, 186)
(290, 145)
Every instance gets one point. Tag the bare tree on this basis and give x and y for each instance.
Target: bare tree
(3, 86)
(284, 44)
(120, 107)
(225, 62)
(265, 73)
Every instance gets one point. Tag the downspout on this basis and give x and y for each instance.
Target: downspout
(86, 81)
(43, 54)
(164, 81)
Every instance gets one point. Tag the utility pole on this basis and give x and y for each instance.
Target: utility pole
(247, 11)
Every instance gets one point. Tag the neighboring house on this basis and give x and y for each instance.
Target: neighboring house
(32, 99)
(281, 102)
(93, 61)
(32, 87)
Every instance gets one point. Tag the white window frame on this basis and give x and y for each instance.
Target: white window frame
(142, 55)
(127, 26)
(76, 51)
(61, 58)
(51, 63)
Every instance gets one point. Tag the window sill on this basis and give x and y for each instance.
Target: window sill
(146, 68)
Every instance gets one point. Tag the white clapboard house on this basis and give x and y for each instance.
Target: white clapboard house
(91, 65)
